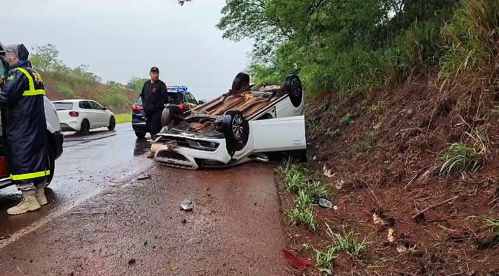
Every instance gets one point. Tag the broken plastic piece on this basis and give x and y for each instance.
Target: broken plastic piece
(187, 205)
(144, 176)
(295, 261)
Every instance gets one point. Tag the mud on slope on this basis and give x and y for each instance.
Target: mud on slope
(380, 156)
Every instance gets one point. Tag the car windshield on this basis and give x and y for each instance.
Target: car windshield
(63, 106)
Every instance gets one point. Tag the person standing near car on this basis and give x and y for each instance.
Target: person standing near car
(24, 128)
(154, 96)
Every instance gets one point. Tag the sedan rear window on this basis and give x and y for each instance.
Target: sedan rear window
(63, 106)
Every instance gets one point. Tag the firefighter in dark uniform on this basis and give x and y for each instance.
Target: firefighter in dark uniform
(24, 129)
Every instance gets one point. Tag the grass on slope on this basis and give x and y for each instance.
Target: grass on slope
(123, 118)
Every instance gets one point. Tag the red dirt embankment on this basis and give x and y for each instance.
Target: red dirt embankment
(380, 155)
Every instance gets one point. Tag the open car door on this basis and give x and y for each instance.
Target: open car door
(282, 134)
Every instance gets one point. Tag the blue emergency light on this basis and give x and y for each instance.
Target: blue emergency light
(181, 88)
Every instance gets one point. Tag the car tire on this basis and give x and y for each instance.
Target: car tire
(171, 116)
(85, 127)
(293, 86)
(140, 134)
(236, 131)
(241, 80)
(112, 123)
(50, 163)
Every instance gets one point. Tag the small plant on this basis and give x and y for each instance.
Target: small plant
(303, 200)
(318, 189)
(293, 177)
(493, 224)
(347, 242)
(303, 216)
(324, 261)
(306, 190)
(460, 158)
(346, 120)
(295, 181)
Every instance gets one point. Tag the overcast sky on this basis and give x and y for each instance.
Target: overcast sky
(124, 38)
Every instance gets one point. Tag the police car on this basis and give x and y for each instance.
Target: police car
(177, 95)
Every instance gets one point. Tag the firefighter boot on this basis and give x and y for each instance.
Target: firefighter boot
(40, 195)
(28, 203)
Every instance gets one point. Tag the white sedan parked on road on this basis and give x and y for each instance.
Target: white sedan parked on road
(83, 115)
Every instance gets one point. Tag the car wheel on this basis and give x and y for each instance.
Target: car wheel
(171, 116)
(292, 86)
(236, 130)
(50, 163)
(112, 123)
(140, 134)
(242, 80)
(85, 127)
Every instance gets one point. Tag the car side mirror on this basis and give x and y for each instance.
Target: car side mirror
(104, 108)
(201, 102)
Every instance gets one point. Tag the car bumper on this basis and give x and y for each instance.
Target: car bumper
(139, 126)
(184, 155)
(59, 141)
(70, 126)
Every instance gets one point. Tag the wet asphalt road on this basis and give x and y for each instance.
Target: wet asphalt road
(87, 165)
(102, 221)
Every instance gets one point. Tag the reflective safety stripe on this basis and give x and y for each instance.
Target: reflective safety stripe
(32, 91)
(27, 176)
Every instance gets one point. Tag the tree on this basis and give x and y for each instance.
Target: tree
(45, 57)
(136, 84)
(329, 43)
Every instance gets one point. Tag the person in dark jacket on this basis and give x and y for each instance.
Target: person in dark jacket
(154, 97)
(24, 129)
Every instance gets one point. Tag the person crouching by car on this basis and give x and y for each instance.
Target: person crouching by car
(23, 120)
(154, 96)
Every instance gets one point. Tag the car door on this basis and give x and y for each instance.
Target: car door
(88, 113)
(101, 115)
(281, 134)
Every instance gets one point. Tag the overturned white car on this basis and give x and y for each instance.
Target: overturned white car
(250, 122)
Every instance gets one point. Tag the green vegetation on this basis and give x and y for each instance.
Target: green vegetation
(306, 190)
(123, 118)
(461, 158)
(63, 82)
(346, 242)
(357, 46)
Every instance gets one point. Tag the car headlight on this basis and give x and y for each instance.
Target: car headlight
(203, 145)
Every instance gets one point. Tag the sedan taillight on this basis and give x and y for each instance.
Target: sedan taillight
(73, 114)
(136, 107)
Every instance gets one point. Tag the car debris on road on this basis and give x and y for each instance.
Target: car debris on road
(187, 205)
(250, 122)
